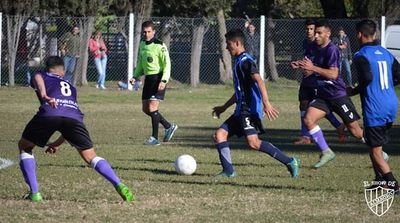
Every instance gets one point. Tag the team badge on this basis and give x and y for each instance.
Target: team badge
(379, 199)
(150, 59)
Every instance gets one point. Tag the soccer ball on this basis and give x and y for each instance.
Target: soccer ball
(185, 164)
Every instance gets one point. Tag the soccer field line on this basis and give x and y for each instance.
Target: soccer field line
(4, 163)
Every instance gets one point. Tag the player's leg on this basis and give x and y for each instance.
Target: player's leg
(77, 135)
(340, 127)
(305, 137)
(221, 143)
(266, 147)
(316, 111)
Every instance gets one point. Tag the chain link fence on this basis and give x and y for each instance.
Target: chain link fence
(40, 37)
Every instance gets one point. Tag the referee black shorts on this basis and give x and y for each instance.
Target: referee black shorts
(150, 88)
(40, 129)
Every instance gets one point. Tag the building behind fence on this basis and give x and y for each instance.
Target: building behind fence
(39, 37)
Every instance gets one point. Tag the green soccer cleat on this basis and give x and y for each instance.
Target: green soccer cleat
(224, 174)
(34, 197)
(293, 167)
(325, 158)
(125, 193)
(170, 132)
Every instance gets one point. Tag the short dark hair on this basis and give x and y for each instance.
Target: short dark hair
(309, 22)
(54, 61)
(148, 24)
(235, 34)
(323, 23)
(366, 27)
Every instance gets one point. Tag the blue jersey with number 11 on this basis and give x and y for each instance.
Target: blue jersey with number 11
(65, 96)
(379, 100)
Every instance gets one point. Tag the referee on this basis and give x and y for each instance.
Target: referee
(155, 64)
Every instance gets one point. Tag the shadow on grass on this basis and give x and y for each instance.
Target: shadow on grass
(283, 139)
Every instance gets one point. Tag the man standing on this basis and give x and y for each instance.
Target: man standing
(70, 50)
(378, 72)
(330, 92)
(252, 103)
(252, 40)
(343, 43)
(155, 64)
(308, 86)
(59, 111)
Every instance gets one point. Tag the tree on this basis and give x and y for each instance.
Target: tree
(334, 9)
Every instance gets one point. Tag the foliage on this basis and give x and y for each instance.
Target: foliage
(194, 8)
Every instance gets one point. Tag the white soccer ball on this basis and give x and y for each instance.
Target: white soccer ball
(185, 164)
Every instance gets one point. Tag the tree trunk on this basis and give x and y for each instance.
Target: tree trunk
(195, 59)
(271, 51)
(143, 10)
(226, 60)
(86, 27)
(334, 9)
(14, 25)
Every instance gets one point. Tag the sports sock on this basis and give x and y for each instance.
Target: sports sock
(155, 119)
(388, 177)
(164, 122)
(333, 120)
(28, 167)
(304, 130)
(225, 157)
(103, 167)
(319, 138)
(273, 151)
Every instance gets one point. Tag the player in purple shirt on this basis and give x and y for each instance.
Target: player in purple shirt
(59, 111)
(330, 92)
(307, 88)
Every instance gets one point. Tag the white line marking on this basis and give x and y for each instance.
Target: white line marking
(4, 163)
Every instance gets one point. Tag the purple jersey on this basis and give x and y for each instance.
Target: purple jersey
(65, 96)
(326, 58)
(309, 48)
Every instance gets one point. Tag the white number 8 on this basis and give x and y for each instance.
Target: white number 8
(65, 88)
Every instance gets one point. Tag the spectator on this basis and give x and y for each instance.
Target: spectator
(252, 43)
(99, 52)
(70, 50)
(343, 42)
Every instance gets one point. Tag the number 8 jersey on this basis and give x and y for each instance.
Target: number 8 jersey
(65, 96)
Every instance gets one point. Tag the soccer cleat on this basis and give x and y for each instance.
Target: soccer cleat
(125, 193)
(224, 174)
(341, 133)
(325, 157)
(303, 140)
(170, 132)
(293, 167)
(152, 141)
(34, 197)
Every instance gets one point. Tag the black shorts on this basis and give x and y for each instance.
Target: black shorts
(40, 129)
(343, 106)
(306, 93)
(243, 125)
(377, 135)
(150, 88)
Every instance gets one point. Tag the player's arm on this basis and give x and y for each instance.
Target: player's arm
(165, 63)
(53, 146)
(364, 75)
(269, 110)
(396, 72)
(218, 110)
(329, 73)
(40, 87)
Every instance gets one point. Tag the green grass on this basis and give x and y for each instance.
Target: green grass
(262, 192)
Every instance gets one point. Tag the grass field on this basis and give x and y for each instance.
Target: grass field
(262, 192)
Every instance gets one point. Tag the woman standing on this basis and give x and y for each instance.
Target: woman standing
(99, 52)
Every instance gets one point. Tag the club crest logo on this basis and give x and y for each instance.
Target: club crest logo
(379, 199)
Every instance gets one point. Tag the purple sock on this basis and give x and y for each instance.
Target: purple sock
(333, 120)
(225, 157)
(276, 153)
(103, 167)
(304, 130)
(319, 138)
(28, 168)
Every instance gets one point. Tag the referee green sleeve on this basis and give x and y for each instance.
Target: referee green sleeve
(165, 63)
(139, 68)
